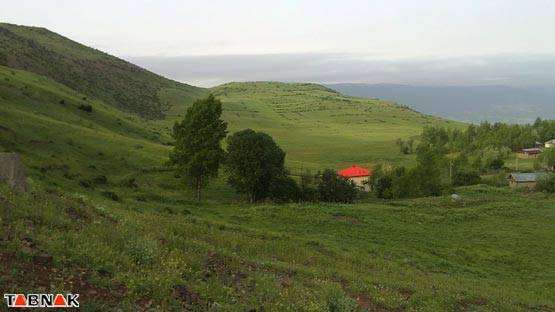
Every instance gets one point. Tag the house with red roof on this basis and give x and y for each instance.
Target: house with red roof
(358, 175)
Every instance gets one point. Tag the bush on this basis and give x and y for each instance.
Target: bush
(308, 192)
(546, 184)
(466, 178)
(497, 180)
(86, 107)
(497, 164)
(101, 179)
(111, 195)
(283, 188)
(333, 188)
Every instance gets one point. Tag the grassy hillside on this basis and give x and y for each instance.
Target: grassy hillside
(492, 254)
(106, 219)
(89, 71)
(319, 127)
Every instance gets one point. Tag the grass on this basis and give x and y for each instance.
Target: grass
(107, 219)
(493, 253)
(89, 71)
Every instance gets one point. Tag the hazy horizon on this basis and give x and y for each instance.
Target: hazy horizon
(407, 42)
(208, 71)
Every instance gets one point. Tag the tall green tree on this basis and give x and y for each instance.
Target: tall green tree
(254, 162)
(198, 151)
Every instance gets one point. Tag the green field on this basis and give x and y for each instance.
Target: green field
(107, 218)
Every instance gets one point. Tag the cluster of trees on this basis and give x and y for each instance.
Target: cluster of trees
(498, 135)
(447, 157)
(427, 178)
(254, 163)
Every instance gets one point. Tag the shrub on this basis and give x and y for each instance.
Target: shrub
(283, 188)
(101, 179)
(381, 185)
(546, 184)
(86, 183)
(111, 195)
(333, 188)
(86, 107)
(338, 301)
(466, 178)
(497, 180)
(497, 164)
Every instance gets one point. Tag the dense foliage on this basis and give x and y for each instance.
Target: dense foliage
(255, 164)
(547, 183)
(198, 152)
(491, 135)
(427, 178)
(333, 188)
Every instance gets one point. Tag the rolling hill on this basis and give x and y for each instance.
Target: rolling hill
(319, 127)
(465, 103)
(89, 71)
(107, 219)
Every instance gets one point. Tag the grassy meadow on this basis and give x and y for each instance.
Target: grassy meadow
(106, 218)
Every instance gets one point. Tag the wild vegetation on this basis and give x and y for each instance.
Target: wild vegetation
(454, 157)
(108, 218)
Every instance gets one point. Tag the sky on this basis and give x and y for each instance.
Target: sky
(393, 41)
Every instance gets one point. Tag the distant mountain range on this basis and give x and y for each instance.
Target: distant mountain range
(465, 103)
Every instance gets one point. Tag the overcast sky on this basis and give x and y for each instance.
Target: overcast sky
(469, 42)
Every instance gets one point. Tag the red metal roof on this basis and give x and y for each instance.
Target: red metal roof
(354, 171)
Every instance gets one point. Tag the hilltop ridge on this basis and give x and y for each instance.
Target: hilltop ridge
(89, 71)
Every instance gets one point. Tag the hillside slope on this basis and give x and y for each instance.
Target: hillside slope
(106, 219)
(91, 72)
(319, 127)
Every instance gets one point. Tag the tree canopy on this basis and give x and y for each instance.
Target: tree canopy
(255, 163)
(198, 152)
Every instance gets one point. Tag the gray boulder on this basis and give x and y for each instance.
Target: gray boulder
(12, 171)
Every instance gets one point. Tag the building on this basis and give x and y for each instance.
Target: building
(530, 153)
(529, 180)
(358, 175)
(550, 144)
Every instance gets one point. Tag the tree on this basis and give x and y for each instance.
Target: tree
(254, 162)
(198, 152)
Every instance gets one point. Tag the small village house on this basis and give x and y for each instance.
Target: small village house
(529, 180)
(358, 175)
(550, 144)
(528, 153)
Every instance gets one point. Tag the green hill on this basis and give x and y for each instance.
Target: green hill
(89, 71)
(106, 219)
(319, 127)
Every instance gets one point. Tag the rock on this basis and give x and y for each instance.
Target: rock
(456, 198)
(12, 171)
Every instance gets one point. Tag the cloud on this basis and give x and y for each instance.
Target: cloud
(511, 69)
